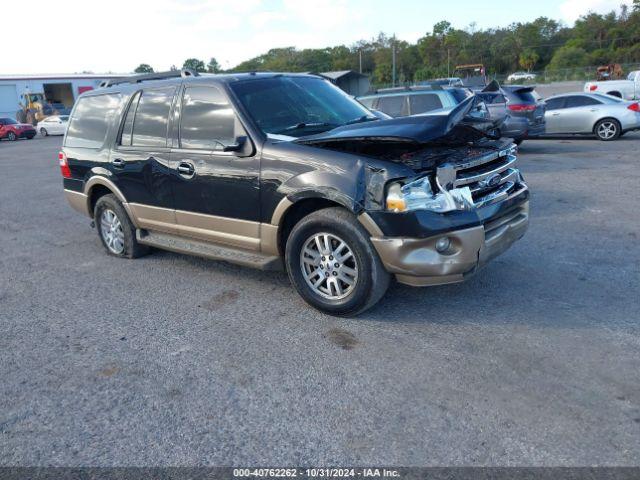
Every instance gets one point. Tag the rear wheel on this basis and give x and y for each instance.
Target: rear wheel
(518, 141)
(117, 233)
(607, 129)
(333, 265)
(43, 132)
(12, 136)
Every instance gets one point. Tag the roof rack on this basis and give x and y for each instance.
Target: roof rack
(409, 88)
(185, 72)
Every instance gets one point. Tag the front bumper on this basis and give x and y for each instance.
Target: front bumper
(416, 262)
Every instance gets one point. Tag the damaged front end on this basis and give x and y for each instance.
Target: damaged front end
(457, 162)
(459, 203)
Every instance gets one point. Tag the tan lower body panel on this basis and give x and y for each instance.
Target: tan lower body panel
(78, 201)
(416, 261)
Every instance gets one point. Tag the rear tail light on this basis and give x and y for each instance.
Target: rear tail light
(64, 165)
(520, 107)
(593, 88)
(635, 107)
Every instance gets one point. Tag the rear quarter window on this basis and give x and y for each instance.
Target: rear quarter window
(424, 103)
(90, 121)
(393, 105)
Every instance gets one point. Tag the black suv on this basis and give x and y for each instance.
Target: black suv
(283, 170)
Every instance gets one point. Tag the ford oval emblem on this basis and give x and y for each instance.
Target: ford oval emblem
(491, 181)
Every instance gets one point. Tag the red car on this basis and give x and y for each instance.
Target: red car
(12, 130)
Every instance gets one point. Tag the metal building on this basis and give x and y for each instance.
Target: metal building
(55, 89)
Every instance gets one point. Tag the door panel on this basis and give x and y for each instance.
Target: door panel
(216, 192)
(140, 162)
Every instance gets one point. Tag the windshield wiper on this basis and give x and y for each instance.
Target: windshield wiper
(301, 125)
(363, 118)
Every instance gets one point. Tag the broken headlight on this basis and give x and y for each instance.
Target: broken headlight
(419, 195)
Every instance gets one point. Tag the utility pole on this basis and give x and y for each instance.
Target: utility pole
(360, 57)
(448, 63)
(393, 62)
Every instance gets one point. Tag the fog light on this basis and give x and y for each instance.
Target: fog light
(443, 244)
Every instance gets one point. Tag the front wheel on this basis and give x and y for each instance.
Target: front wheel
(43, 132)
(333, 265)
(607, 129)
(117, 233)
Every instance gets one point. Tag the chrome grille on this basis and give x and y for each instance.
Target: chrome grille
(490, 176)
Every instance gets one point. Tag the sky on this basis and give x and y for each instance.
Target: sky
(118, 35)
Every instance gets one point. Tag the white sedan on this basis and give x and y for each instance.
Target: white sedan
(519, 76)
(53, 125)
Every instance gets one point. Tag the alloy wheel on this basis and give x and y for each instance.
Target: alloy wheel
(11, 136)
(607, 130)
(328, 266)
(111, 231)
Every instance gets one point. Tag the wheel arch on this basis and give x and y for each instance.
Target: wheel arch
(290, 211)
(98, 186)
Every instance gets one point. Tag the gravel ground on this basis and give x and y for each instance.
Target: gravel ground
(173, 360)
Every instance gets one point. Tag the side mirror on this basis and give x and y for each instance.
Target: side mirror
(237, 146)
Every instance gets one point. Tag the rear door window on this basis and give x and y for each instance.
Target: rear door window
(396, 105)
(90, 122)
(424, 103)
(152, 118)
(555, 104)
(581, 101)
(208, 121)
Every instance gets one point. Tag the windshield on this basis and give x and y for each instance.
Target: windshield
(298, 106)
(8, 121)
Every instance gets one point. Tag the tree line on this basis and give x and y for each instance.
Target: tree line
(541, 45)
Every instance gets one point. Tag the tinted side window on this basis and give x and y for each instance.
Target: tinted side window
(394, 106)
(555, 104)
(581, 101)
(424, 103)
(152, 118)
(90, 122)
(127, 129)
(208, 121)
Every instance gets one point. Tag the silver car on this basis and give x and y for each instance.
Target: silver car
(605, 116)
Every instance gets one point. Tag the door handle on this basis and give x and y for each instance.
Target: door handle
(117, 162)
(186, 170)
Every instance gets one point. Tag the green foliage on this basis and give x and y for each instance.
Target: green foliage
(213, 66)
(194, 64)
(528, 59)
(568, 57)
(543, 44)
(143, 68)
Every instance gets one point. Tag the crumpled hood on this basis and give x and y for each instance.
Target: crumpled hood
(413, 129)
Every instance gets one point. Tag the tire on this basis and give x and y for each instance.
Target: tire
(518, 141)
(359, 264)
(116, 232)
(607, 129)
(12, 137)
(43, 132)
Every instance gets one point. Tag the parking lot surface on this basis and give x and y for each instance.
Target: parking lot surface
(175, 360)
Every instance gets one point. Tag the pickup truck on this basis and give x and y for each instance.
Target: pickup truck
(628, 89)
